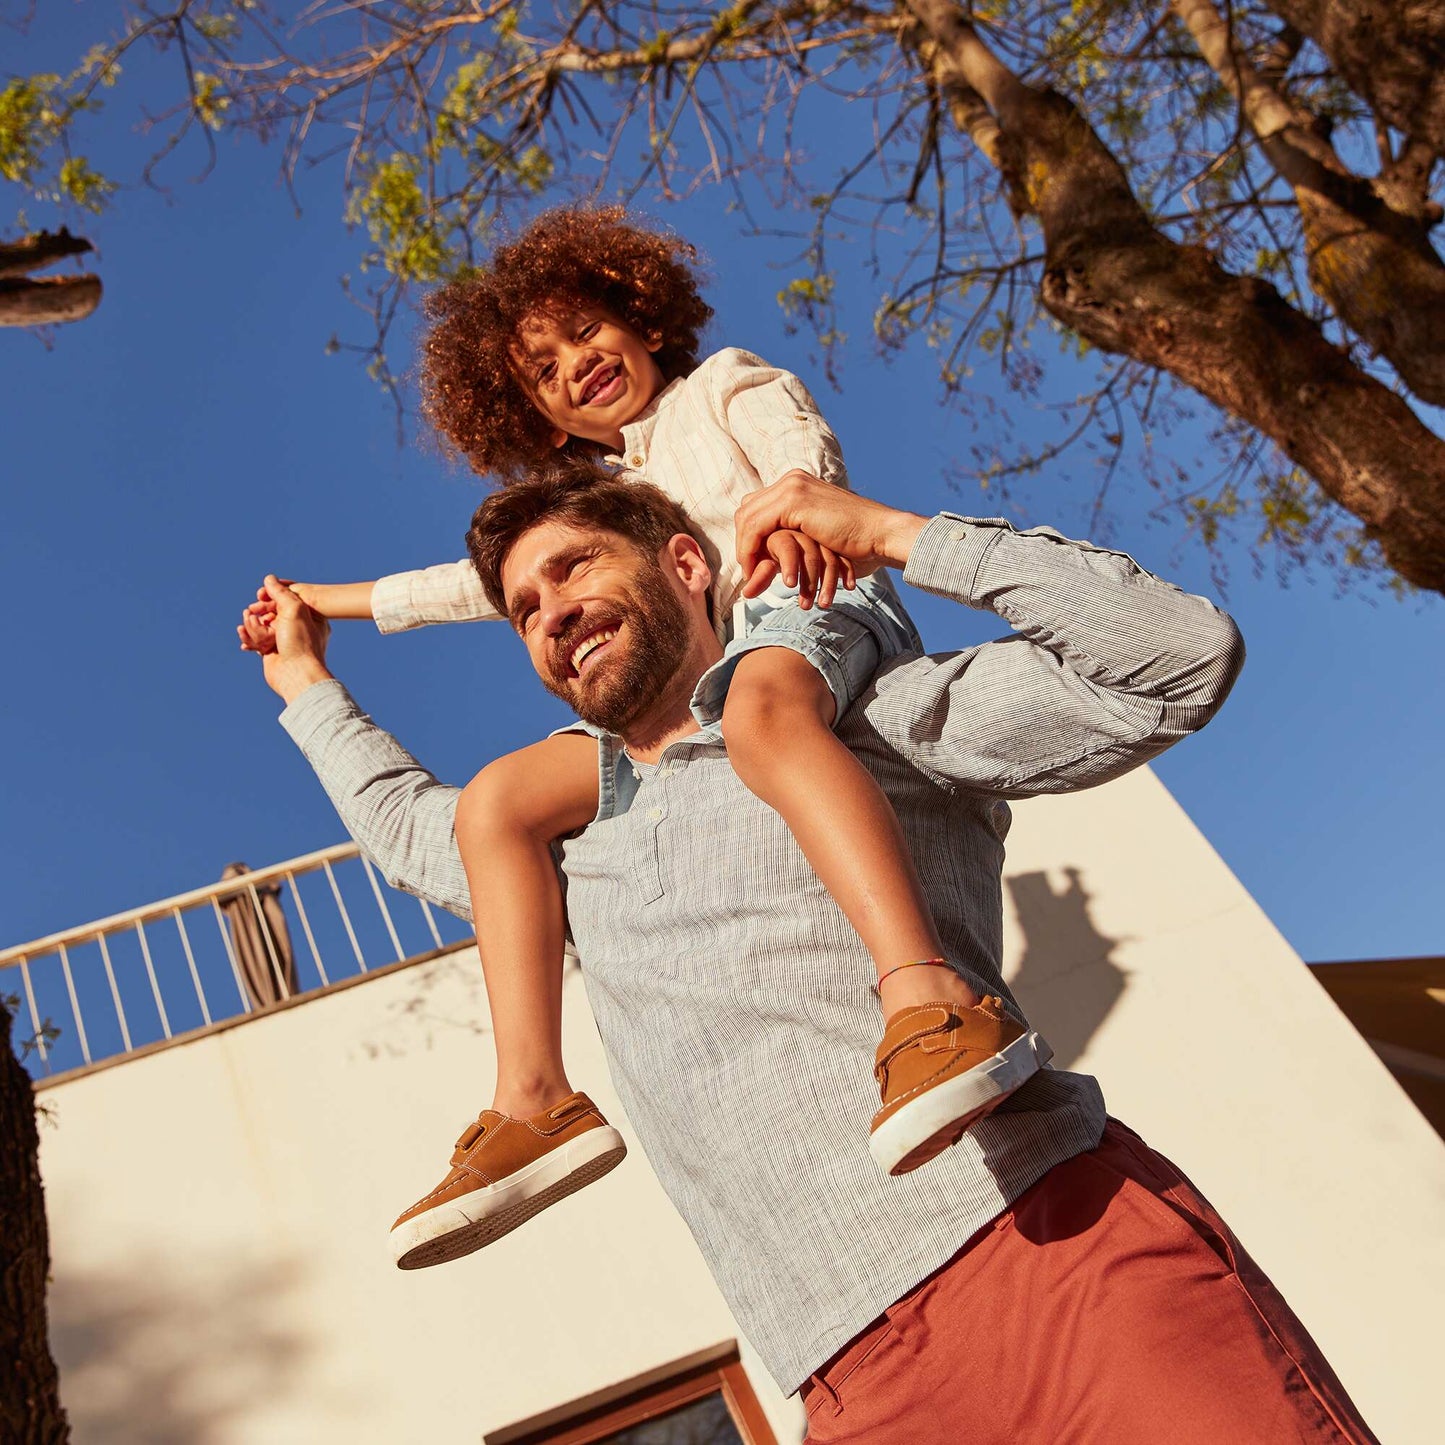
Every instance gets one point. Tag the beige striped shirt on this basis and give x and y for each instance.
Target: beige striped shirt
(732, 427)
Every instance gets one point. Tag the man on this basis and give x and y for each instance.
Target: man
(1049, 1278)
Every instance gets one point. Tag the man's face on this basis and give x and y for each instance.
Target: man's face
(588, 373)
(608, 630)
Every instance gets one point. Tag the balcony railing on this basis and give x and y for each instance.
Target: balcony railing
(239, 946)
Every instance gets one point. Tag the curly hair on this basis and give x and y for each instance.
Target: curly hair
(583, 493)
(472, 392)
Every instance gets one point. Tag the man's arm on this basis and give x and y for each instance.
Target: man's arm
(399, 814)
(1108, 665)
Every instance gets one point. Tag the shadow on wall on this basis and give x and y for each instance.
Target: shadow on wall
(160, 1354)
(1066, 978)
(442, 998)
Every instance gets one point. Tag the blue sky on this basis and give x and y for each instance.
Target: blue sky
(161, 456)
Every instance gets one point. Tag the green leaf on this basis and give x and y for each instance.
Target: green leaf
(86, 187)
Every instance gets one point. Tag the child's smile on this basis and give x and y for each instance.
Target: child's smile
(589, 373)
(604, 386)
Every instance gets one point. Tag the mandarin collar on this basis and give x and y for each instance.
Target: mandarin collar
(637, 434)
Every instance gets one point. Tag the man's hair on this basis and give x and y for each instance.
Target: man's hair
(577, 256)
(581, 493)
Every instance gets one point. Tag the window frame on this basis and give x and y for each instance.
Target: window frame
(714, 1371)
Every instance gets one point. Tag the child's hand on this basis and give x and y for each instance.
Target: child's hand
(257, 628)
(327, 599)
(867, 534)
(290, 636)
(816, 571)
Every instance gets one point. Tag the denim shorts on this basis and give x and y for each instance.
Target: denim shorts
(846, 642)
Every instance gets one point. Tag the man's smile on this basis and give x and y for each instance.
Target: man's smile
(587, 649)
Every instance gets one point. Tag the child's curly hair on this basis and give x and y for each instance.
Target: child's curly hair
(471, 390)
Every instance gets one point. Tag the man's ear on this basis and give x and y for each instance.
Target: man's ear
(559, 438)
(683, 555)
(653, 342)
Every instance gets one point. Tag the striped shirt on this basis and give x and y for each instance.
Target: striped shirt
(708, 440)
(735, 1003)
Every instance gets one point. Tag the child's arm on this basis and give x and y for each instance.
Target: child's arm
(773, 418)
(450, 592)
(336, 600)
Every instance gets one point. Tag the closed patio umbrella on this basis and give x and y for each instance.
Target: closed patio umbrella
(260, 938)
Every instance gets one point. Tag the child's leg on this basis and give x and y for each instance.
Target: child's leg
(778, 721)
(506, 819)
(539, 1142)
(947, 1056)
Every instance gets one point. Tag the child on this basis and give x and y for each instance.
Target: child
(583, 336)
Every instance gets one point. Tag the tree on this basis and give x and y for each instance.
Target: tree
(1228, 199)
(30, 1409)
(26, 300)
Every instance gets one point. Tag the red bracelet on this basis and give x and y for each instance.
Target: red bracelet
(912, 963)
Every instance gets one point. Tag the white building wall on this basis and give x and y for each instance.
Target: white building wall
(218, 1210)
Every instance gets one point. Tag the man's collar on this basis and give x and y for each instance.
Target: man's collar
(617, 775)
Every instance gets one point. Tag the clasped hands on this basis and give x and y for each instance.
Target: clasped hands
(818, 536)
(814, 535)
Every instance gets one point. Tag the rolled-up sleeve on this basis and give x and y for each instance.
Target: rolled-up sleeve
(773, 419)
(448, 592)
(1108, 665)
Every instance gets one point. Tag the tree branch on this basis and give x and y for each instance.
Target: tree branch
(1113, 278)
(30, 301)
(1373, 265)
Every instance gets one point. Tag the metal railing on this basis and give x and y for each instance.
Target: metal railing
(108, 988)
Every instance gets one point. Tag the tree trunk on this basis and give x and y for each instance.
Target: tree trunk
(25, 301)
(30, 1409)
(1391, 53)
(1110, 276)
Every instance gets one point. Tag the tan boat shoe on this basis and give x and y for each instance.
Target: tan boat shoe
(504, 1171)
(942, 1067)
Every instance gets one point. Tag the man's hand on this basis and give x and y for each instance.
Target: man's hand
(864, 533)
(290, 637)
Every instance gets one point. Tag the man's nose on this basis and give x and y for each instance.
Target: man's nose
(557, 612)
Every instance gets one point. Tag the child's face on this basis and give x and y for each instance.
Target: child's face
(589, 373)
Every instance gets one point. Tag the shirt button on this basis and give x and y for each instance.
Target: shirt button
(635, 459)
(654, 814)
(958, 535)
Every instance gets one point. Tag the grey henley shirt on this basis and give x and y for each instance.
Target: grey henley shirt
(735, 1002)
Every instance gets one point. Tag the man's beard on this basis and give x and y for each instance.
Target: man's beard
(624, 687)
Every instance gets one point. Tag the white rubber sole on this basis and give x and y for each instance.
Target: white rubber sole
(459, 1226)
(927, 1125)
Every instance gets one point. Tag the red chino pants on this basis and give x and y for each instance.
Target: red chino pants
(1109, 1306)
